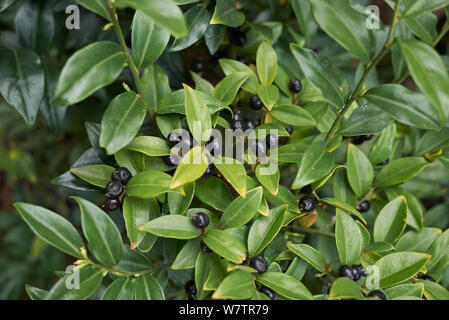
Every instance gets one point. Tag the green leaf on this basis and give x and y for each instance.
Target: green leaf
(414, 211)
(230, 66)
(315, 164)
(227, 89)
(148, 288)
(317, 73)
(269, 95)
(439, 252)
(286, 285)
(214, 36)
(178, 203)
(343, 206)
(264, 229)
(366, 119)
(213, 192)
(349, 34)
(434, 291)
(156, 86)
(197, 113)
(269, 181)
(267, 63)
(424, 26)
(151, 146)
(148, 40)
(226, 12)
(414, 241)
(360, 171)
(186, 257)
(348, 239)
(383, 145)
(242, 210)
(283, 197)
(192, 167)
(225, 245)
(121, 288)
(35, 293)
(172, 226)
(88, 70)
(391, 221)
(90, 279)
(135, 213)
(238, 285)
(164, 13)
(308, 254)
(197, 19)
(294, 115)
(22, 81)
(148, 184)
(52, 228)
(408, 107)
(121, 121)
(432, 141)
(175, 103)
(345, 288)
(406, 289)
(202, 84)
(400, 170)
(103, 237)
(100, 7)
(416, 7)
(98, 174)
(303, 12)
(234, 172)
(399, 267)
(430, 74)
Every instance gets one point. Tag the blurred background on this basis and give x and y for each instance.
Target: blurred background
(34, 161)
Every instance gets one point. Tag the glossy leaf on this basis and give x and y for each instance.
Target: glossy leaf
(225, 245)
(399, 170)
(197, 19)
(234, 172)
(285, 285)
(242, 210)
(238, 285)
(294, 115)
(172, 226)
(360, 171)
(309, 254)
(391, 221)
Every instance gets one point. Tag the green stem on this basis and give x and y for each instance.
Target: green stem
(356, 93)
(132, 66)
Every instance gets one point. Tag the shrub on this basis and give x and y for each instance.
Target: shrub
(340, 191)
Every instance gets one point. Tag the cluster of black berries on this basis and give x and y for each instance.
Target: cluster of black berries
(239, 122)
(119, 178)
(307, 204)
(361, 139)
(354, 272)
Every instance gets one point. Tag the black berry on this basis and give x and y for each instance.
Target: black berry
(250, 125)
(378, 294)
(237, 116)
(346, 272)
(357, 274)
(200, 220)
(237, 124)
(171, 160)
(114, 189)
(427, 277)
(290, 129)
(174, 138)
(307, 204)
(258, 147)
(204, 247)
(295, 85)
(258, 263)
(121, 175)
(190, 288)
(384, 162)
(255, 103)
(360, 269)
(110, 205)
(364, 206)
(358, 140)
(268, 292)
(197, 65)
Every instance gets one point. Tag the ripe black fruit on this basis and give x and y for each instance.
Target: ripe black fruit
(204, 247)
(258, 147)
(268, 292)
(295, 85)
(121, 175)
(307, 204)
(251, 125)
(364, 206)
(255, 103)
(290, 129)
(110, 205)
(258, 263)
(114, 189)
(360, 269)
(197, 65)
(200, 220)
(190, 287)
(171, 160)
(347, 272)
(427, 277)
(377, 294)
